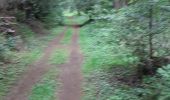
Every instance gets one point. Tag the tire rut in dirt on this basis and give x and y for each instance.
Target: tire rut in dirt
(35, 72)
(70, 73)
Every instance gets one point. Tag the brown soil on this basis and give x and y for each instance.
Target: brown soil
(70, 72)
(23, 87)
(70, 75)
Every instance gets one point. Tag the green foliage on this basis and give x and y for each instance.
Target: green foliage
(84, 5)
(165, 73)
(68, 36)
(55, 31)
(46, 88)
(76, 20)
(117, 37)
(31, 38)
(99, 86)
(20, 15)
(19, 61)
(136, 30)
(157, 87)
(120, 38)
(131, 26)
(6, 44)
(99, 49)
(59, 57)
(3, 48)
(45, 8)
(10, 72)
(11, 42)
(164, 82)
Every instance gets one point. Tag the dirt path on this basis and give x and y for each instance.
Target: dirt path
(22, 89)
(70, 75)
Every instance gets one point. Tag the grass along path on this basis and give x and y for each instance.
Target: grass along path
(68, 85)
(34, 73)
(70, 73)
(40, 75)
(60, 56)
(76, 20)
(12, 71)
(46, 88)
(105, 70)
(68, 35)
(20, 61)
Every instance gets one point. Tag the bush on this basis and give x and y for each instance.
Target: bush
(157, 87)
(164, 83)
(20, 15)
(11, 42)
(5, 46)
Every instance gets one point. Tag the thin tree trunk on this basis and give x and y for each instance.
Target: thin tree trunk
(150, 34)
(3, 5)
(117, 4)
(151, 64)
(124, 3)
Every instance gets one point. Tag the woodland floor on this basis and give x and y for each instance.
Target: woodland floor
(70, 75)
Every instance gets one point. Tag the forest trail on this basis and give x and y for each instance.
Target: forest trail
(70, 73)
(35, 72)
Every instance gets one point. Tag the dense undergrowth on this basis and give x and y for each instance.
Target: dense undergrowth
(121, 39)
(109, 77)
(110, 65)
(96, 44)
(100, 84)
(75, 20)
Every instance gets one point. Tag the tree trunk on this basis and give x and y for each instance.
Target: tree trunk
(3, 5)
(124, 3)
(117, 4)
(150, 63)
(151, 34)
